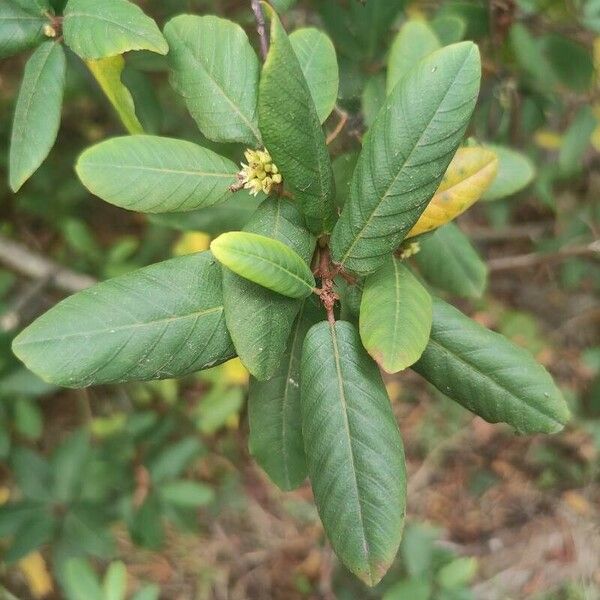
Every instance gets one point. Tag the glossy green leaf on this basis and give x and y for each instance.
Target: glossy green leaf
(448, 261)
(489, 375)
(19, 28)
(215, 69)
(159, 322)
(108, 72)
(155, 174)
(395, 316)
(353, 449)
(292, 131)
(405, 155)
(37, 114)
(95, 29)
(115, 582)
(373, 98)
(415, 40)
(515, 172)
(274, 411)
(265, 261)
(318, 62)
(259, 320)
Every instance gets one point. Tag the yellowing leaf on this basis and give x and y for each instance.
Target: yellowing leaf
(4, 495)
(547, 140)
(235, 372)
(33, 567)
(596, 108)
(107, 72)
(190, 242)
(470, 173)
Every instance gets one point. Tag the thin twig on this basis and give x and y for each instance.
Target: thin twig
(22, 260)
(525, 261)
(261, 28)
(343, 119)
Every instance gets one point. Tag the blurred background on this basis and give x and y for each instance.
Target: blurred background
(154, 480)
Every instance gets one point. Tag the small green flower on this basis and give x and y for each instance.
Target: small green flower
(260, 174)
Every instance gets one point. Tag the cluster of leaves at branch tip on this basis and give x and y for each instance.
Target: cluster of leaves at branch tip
(318, 405)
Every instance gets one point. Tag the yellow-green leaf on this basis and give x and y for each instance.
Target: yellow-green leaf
(395, 316)
(265, 261)
(107, 72)
(470, 173)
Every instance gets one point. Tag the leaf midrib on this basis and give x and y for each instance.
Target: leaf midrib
(159, 170)
(401, 170)
(344, 406)
(253, 128)
(247, 253)
(171, 319)
(494, 381)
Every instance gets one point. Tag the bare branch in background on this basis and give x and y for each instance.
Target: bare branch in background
(261, 28)
(22, 260)
(525, 261)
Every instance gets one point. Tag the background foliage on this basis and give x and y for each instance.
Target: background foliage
(90, 475)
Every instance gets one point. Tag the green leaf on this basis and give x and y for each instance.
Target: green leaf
(68, 462)
(417, 549)
(515, 172)
(531, 59)
(448, 261)
(395, 316)
(115, 582)
(31, 472)
(571, 61)
(265, 261)
(148, 592)
(373, 98)
(292, 131)
(14, 515)
(33, 533)
(37, 114)
(28, 419)
(86, 528)
(95, 29)
(405, 155)
(19, 29)
(318, 62)
(274, 411)
(258, 319)
(81, 582)
(172, 461)
(415, 40)
(108, 73)
(282, 5)
(218, 407)
(215, 69)
(187, 494)
(458, 573)
(155, 174)
(576, 141)
(232, 214)
(415, 589)
(449, 28)
(156, 323)
(358, 27)
(489, 375)
(353, 450)
(343, 168)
